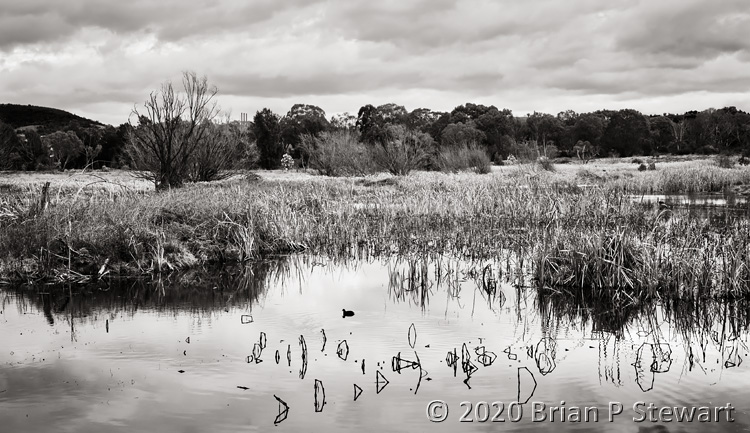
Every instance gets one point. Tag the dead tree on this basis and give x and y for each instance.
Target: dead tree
(170, 129)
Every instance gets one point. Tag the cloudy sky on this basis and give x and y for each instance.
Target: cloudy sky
(97, 58)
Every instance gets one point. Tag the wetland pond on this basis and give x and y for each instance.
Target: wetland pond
(268, 347)
(700, 205)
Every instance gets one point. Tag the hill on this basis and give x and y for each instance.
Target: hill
(44, 119)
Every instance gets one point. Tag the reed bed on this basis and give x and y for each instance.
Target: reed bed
(199, 224)
(593, 241)
(673, 257)
(682, 178)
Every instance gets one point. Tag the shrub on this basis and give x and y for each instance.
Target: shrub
(336, 153)
(222, 148)
(550, 151)
(511, 160)
(480, 162)
(724, 161)
(642, 167)
(652, 166)
(463, 158)
(743, 160)
(636, 161)
(287, 161)
(589, 176)
(545, 163)
(585, 151)
(402, 150)
(524, 151)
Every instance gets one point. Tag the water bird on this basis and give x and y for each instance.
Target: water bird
(347, 313)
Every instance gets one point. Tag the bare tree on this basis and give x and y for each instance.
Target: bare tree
(170, 130)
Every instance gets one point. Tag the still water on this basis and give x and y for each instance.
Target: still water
(269, 347)
(700, 204)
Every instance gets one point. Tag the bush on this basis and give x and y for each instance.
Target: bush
(708, 150)
(545, 163)
(523, 151)
(589, 176)
(402, 150)
(287, 161)
(724, 161)
(743, 160)
(642, 167)
(336, 153)
(636, 161)
(223, 146)
(550, 151)
(652, 166)
(463, 158)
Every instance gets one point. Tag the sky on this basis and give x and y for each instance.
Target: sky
(101, 58)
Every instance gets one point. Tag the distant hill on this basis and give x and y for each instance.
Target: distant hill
(44, 119)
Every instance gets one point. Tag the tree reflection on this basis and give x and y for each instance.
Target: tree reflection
(194, 292)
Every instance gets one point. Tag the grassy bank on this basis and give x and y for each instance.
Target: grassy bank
(591, 240)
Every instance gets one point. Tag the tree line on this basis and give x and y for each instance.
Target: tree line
(179, 134)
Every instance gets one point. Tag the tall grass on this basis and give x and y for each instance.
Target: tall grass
(456, 213)
(596, 241)
(677, 258)
(691, 177)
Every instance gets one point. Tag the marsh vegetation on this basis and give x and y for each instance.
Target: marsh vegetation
(575, 230)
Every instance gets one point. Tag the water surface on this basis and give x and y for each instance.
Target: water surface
(178, 355)
(700, 204)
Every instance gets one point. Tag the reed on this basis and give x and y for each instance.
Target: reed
(685, 177)
(593, 241)
(678, 258)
